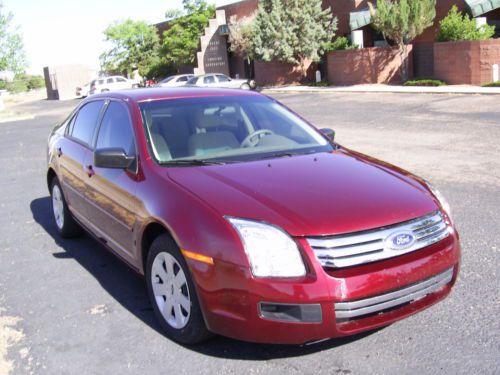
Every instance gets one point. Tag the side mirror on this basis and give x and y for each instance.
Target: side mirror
(329, 133)
(112, 158)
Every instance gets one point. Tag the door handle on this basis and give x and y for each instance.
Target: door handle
(89, 170)
(59, 151)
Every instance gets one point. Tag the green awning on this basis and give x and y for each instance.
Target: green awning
(357, 20)
(480, 7)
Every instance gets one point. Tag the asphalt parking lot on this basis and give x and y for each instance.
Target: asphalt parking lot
(69, 307)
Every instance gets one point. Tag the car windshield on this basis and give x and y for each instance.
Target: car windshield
(226, 129)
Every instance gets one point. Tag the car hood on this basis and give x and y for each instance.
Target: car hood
(320, 194)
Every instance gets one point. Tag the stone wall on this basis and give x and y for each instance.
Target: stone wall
(367, 65)
(279, 73)
(466, 62)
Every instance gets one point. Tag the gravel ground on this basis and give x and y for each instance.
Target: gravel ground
(69, 307)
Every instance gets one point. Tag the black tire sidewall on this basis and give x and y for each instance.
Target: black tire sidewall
(195, 330)
(70, 228)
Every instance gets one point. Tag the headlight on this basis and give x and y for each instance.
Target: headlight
(442, 200)
(271, 252)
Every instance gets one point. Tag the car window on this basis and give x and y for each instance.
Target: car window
(116, 129)
(109, 80)
(120, 79)
(193, 80)
(223, 78)
(209, 79)
(100, 82)
(86, 121)
(182, 79)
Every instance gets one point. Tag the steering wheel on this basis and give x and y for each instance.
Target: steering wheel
(253, 139)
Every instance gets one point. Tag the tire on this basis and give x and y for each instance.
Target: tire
(65, 224)
(165, 264)
(104, 90)
(245, 86)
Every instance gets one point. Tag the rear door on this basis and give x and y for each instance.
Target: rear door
(71, 151)
(110, 193)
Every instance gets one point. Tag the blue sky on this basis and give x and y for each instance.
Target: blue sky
(57, 32)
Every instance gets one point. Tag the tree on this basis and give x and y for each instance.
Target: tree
(402, 21)
(12, 56)
(456, 26)
(292, 31)
(134, 45)
(240, 37)
(182, 39)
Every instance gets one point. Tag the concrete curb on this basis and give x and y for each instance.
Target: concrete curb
(456, 90)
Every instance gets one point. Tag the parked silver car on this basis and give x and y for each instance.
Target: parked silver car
(175, 81)
(221, 80)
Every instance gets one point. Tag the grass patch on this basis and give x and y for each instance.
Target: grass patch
(318, 84)
(425, 82)
(492, 84)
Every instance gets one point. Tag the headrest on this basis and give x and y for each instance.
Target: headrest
(207, 121)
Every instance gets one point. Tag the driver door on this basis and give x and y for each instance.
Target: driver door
(110, 192)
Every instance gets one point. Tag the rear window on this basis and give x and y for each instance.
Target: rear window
(109, 80)
(85, 122)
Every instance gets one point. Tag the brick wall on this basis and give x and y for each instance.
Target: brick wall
(241, 9)
(367, 65)
(423, 60)
(467, 62)
(279, 73)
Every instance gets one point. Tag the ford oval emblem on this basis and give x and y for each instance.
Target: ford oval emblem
(400, 240)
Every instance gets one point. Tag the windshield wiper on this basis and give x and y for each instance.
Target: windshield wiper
(285, 155)
(188, 162)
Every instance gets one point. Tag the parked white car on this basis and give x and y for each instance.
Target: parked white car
(111, 84)
(83, 91)
(175, 81)
(221, 80)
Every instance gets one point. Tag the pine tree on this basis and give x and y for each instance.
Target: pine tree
(292, 31)
(402, 21)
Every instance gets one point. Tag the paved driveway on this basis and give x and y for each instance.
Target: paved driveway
(70, 307)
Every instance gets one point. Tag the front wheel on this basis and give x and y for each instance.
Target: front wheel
(245, 86)
(172, 293)
(66, 225)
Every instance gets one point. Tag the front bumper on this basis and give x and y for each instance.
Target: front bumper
(232, 298)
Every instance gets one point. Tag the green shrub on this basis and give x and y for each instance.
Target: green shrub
(35, 82)
(340, 43)
(424, 82)
(318, 84)
(456, 26)
(492, 84)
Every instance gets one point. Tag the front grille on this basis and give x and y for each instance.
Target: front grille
(353, 249)
(383, 302)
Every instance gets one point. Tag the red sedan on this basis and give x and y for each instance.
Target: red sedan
(246, 220)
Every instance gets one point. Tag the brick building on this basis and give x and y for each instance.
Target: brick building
(374, 63)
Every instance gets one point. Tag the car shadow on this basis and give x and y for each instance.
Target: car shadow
(129, 290)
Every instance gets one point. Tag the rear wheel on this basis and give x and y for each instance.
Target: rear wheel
(245, 86)
(66, 225)
(172, 293)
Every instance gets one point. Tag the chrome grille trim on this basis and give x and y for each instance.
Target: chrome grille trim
(349, 310)
(370, 246)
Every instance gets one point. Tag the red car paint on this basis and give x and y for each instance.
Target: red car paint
(310, 195)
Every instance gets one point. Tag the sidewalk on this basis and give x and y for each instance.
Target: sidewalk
(452, 89)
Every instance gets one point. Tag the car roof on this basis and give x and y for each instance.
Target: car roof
(159, 93)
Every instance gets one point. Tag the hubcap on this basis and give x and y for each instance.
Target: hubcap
(58, 206)
(171, 290)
